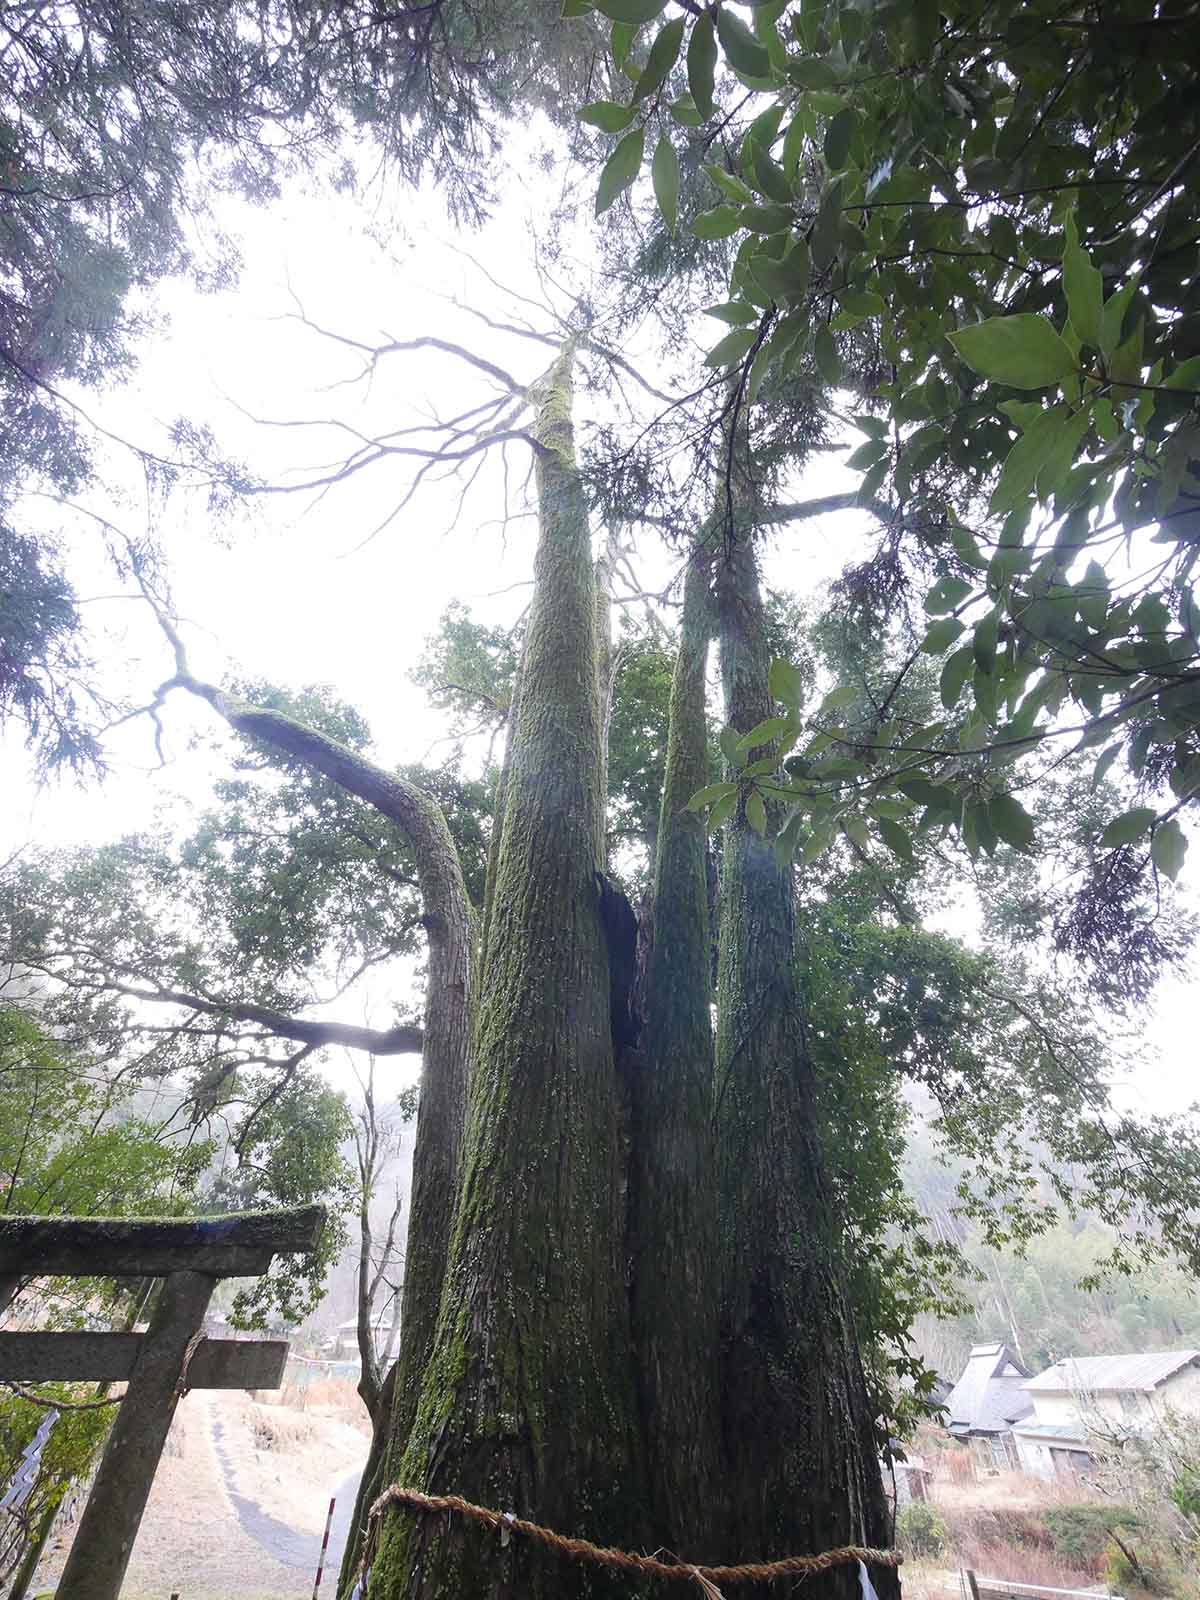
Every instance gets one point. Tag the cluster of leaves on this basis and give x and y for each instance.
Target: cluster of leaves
(75, 1140)
(67, 1457)
(293, 1155)
(71, 1139)
(1005, 213)
(41, 655)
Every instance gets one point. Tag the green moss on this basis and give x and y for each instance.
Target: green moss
(527, 1400)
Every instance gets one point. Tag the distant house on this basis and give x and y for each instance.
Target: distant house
(1087, 1394)
(345, 1338)
(985, 1402)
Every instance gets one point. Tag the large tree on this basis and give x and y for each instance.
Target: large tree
(633, 1244)
(628, 1310)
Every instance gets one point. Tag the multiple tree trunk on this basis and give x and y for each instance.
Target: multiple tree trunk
(622, 1315)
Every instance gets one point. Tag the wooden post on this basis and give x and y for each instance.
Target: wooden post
(190, 1255)
(104, 1542)
(972, 1584)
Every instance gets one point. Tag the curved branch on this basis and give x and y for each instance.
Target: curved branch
(397, 1041)
(801, 511)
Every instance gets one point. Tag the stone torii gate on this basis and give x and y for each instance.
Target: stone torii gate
(158, 1365)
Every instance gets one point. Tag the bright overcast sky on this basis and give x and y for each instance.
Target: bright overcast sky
(292, 594)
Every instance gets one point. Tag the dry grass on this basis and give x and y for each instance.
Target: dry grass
(324, 1395)
(1029, 1564)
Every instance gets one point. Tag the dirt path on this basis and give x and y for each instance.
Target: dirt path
(239, 1504)
(288, 1545)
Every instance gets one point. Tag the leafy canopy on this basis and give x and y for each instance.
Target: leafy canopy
(1004, 214)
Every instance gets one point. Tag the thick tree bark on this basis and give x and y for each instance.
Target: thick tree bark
(673, 1210)
(802, 1470)
(528, 1401)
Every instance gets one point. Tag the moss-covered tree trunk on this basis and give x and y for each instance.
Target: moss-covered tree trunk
(673, 1200)
(801, 1462)
(449, 924)
(528, 1400)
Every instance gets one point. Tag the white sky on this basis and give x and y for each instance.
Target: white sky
(290, 596)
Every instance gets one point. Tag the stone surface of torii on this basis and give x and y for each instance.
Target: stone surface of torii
(159, 1365)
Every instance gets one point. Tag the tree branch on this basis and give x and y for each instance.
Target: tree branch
(404, 1040)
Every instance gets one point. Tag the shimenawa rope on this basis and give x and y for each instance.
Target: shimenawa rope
(622, 1560)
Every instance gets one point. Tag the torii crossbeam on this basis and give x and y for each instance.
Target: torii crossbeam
(191, 1256)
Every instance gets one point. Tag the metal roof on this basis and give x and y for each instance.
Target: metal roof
(983, 1400)
(1098, 1374)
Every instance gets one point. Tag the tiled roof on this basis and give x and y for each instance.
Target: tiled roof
(1097, 1374)
(982, 1401)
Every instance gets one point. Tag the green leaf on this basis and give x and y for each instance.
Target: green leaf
(769, 178)
(1105, 761)
(1084, 286)
(1168, 848)
(731, 348)
(785, 683)
(742, 50)
(1011, 821)
(576, 8)
(608, 116)
(985, 641)
(1130, 825)
(1112, 322)
(941, 635)
(769, 728)
(823, 240)
(756, 812)
(788, 838)
(701, 65)
(623, 35)
(825, 353)
(1055, 469)
(766, 219)
(812, 73)
(896, 838)
(631, 11)
(862, 302)
(718, 223)
(722, 810)
(730, 186)
(837, 138)
(664, 170)
(818, 842)
(620, 169)
(786, 278)
(1025, 351)
(1024, 461)
(867, 454)
(731, 748)
(841, 697)
(736, 312)
(685, 113)
(710, 793)
(664, 53)
(947, 594)
(1185, 376)
(956, 669)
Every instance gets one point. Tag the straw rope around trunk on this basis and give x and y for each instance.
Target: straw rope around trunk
(622, 1560)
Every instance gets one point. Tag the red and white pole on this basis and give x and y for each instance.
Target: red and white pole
(324, 1546)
